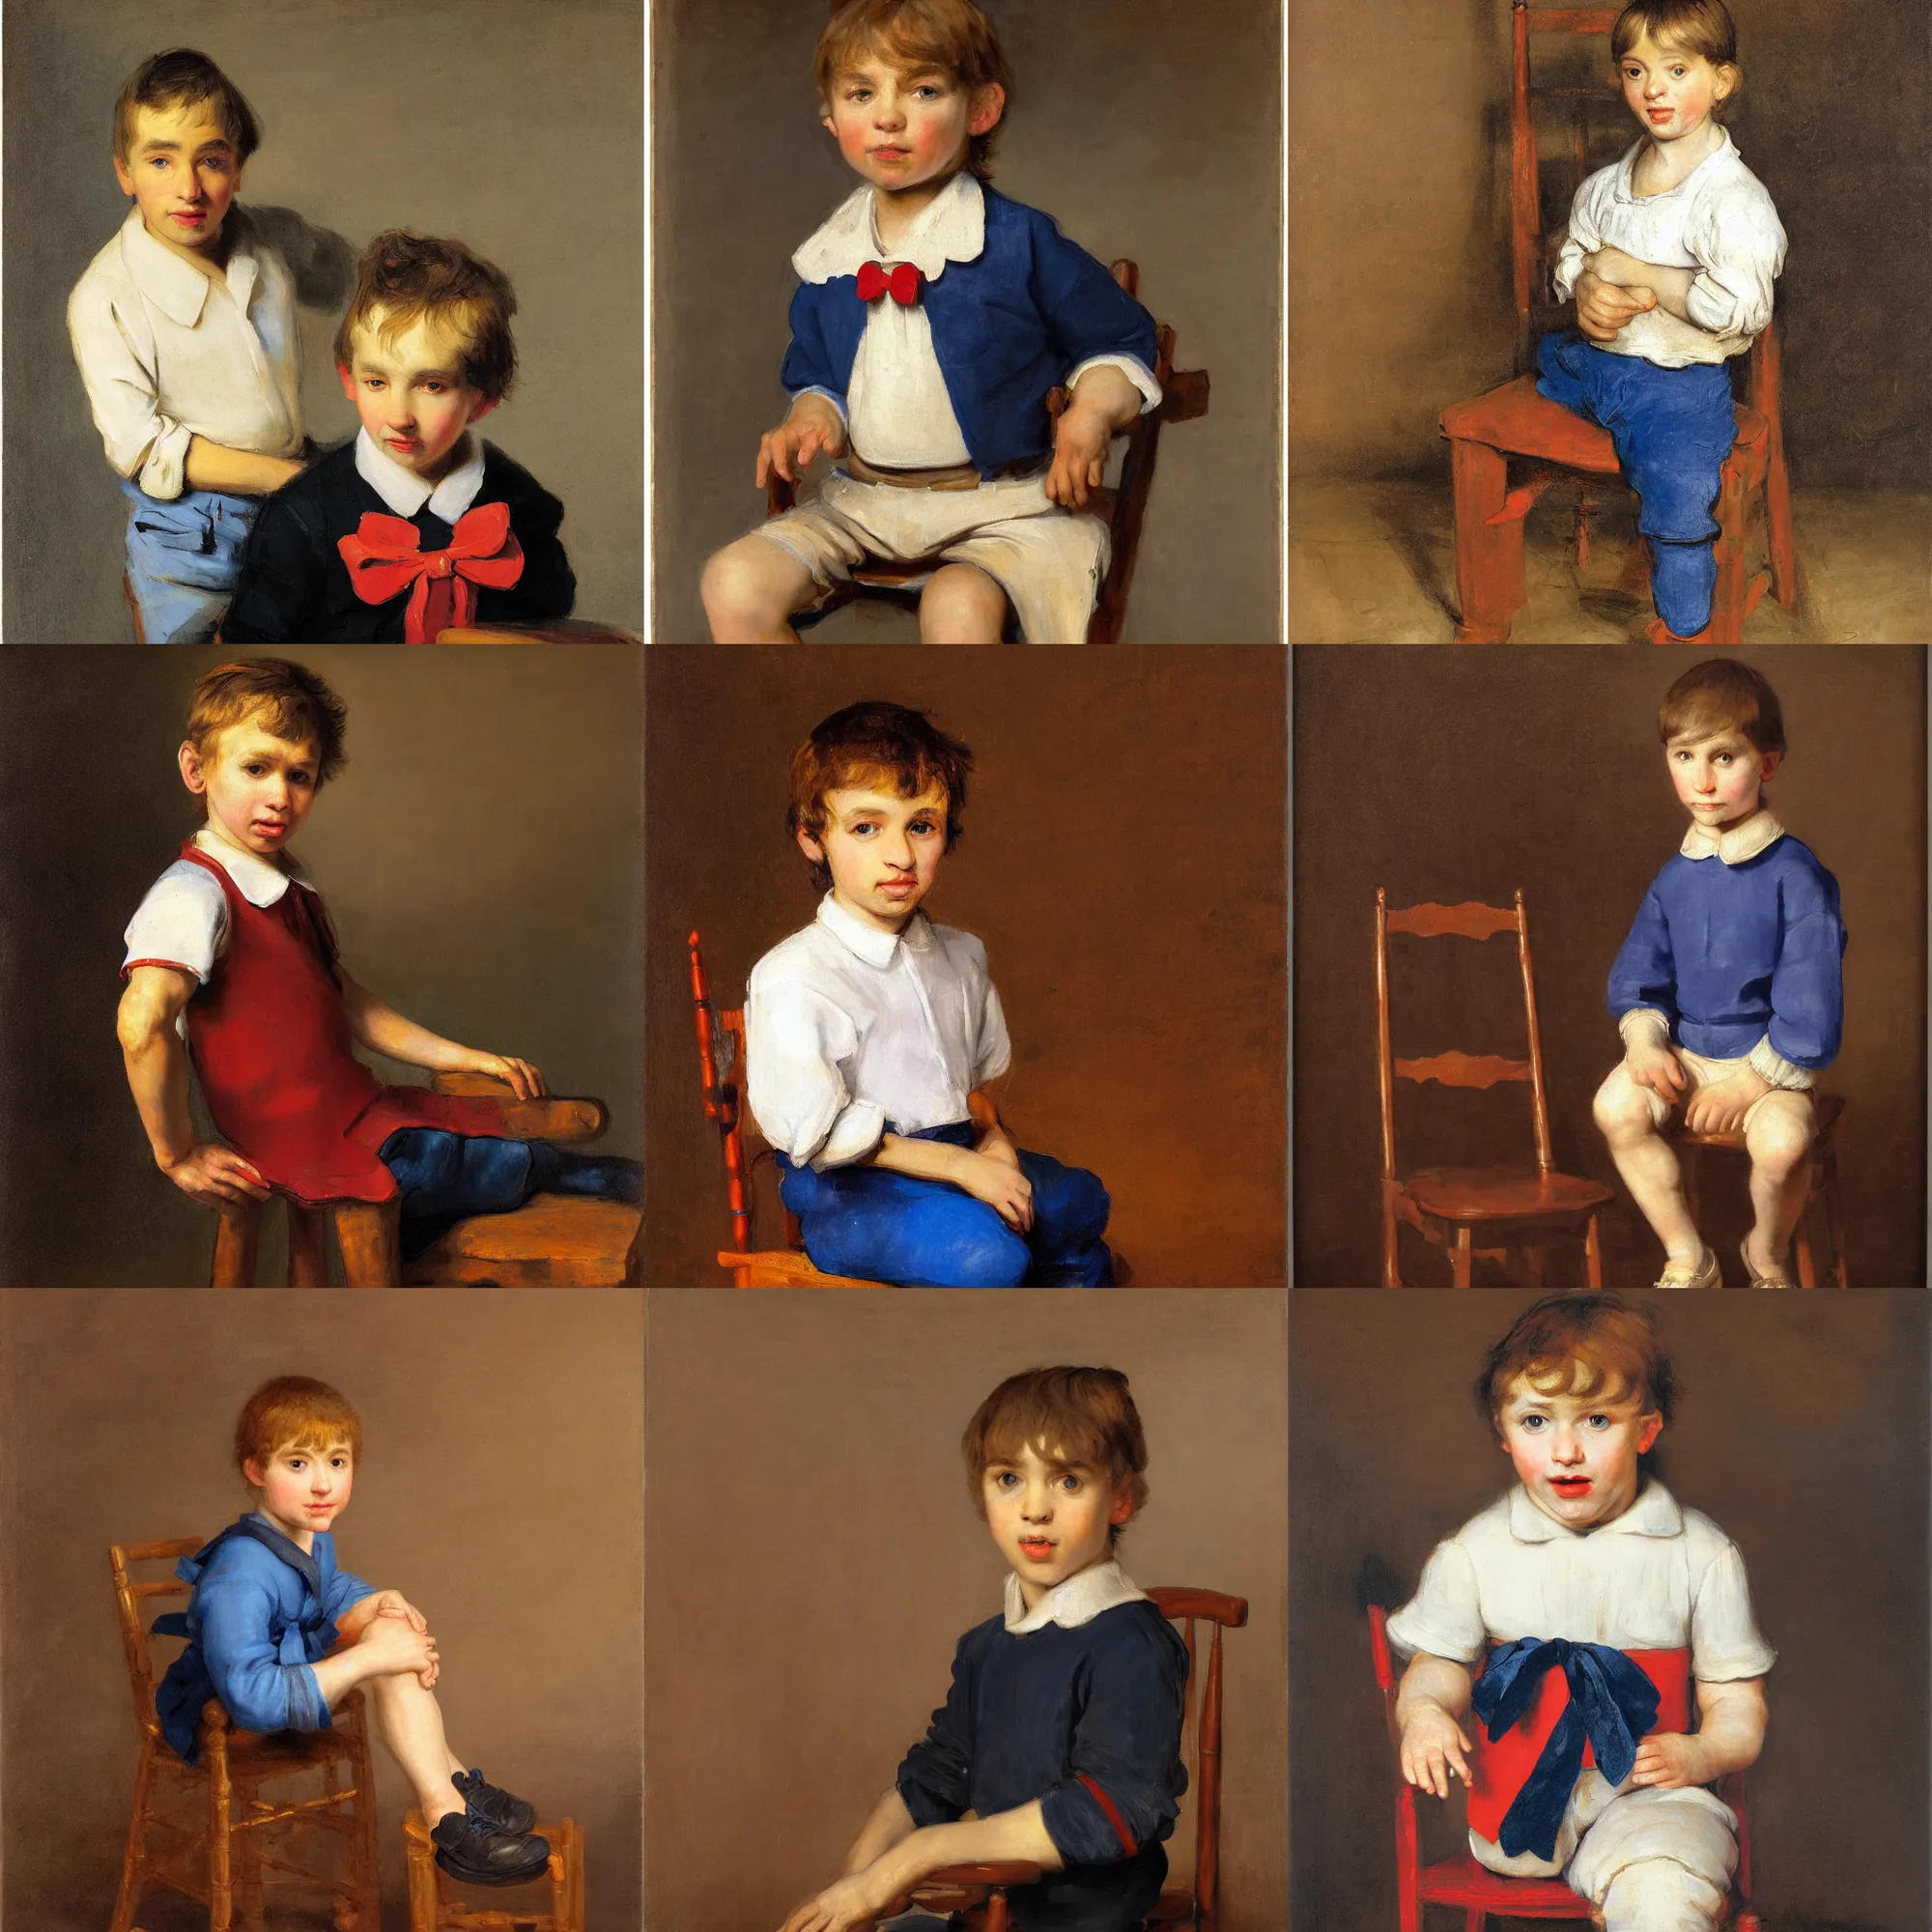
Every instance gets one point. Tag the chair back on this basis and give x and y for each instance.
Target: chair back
(132, 1600)
(721, 1054)
(1454, 1069)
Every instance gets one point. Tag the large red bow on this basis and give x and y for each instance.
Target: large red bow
(903, 284)
(385, 557)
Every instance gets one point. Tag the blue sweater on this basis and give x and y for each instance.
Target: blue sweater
(1087, 1721)
(1734, 953)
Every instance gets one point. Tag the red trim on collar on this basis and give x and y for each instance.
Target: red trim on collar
(1114, 1818)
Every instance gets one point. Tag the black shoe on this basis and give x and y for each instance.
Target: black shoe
(478, 1856)
(492, 1807)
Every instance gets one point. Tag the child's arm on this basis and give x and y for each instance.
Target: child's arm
(1435, 1693)
(1104, 401)
(380, 1026)
(1731, 1717)
(1003, 1187)
(1671, 288)
(239, 472)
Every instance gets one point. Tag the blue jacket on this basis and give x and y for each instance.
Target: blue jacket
(1733, 953)
(263, 1612)
(1007, 327)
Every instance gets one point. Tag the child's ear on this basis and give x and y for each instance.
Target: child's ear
(251, 1471)
(192, 776)
(1768, 769)
(123, 175)
(810, 846)
(989, 103)
(1123, 1509)
(482, 406)
(347, 380)
(1649, 1427)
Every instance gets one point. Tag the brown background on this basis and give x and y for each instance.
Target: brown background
(1122, 860)
(518, 130)
(1399, 294)
(1145, 127)
(815, 1558)
(1446, 775)
(498, 1490)
(479, 856)
(1801, 1428)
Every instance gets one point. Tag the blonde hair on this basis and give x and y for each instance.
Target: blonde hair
(407, 276)
(294, 1412)
(291, 702)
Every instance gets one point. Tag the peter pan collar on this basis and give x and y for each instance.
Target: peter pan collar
(1077, 1601)
(1726, 151)
(258, 882)
(1736, 842)
(875, 948)
(1655, 1512)
(406, 492)
(177, 289)
(952, 229)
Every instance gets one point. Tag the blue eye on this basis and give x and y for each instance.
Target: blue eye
(1531, 1425)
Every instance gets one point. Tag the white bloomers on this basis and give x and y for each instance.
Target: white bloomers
(1621, 1095)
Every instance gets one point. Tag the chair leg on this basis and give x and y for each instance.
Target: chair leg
(1475, 1919)
(1535, 1258)
(1727, 599)
(1463, 1256)
(133, 1863)
(1391, 1253)
(1593, 1254)
(308, 1264)
(237, 1242)
(368, 1236)
(363, 1878)
(1800, 1247)
(249, 1899)
(1834, 1229)
(1778, 524)
(1489, 583)
(220, 1892)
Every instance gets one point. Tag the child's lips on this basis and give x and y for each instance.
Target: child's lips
(1036, 1548)
(1570, 1486)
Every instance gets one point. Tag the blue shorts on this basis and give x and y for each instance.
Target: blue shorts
(184, 556)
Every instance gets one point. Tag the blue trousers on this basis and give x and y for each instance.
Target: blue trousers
(183, 558)
(881, 1226)
(1672, 429)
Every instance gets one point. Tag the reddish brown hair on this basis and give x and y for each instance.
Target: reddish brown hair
(1065, 1414)
(182, 77)
(1722, 695)
(408, 276)
(294, 1412)
(288, 698)
(1581, 1345)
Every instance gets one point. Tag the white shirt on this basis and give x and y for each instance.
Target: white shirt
(1719, 221)
(898, 411)
(1077, 1601)
(406, 492)
(167, 355)
(847, 1028)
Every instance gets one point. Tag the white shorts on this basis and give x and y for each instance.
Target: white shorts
(1699, 1072)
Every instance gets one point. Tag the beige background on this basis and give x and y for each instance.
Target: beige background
(479, 854)
(814, 1558)
(517, 129)
(499, 1492)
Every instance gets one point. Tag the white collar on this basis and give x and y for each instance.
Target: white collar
(1077, 1601)
(1727, 148)
(406, 492)
(178, 288)
(1654, 1513)
(874, 947)
(1735, 844)
(952, 228)
(258, 882)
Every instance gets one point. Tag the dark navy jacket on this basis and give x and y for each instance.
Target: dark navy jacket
(1007, 328)
(1087, 1721)
(1731, 954)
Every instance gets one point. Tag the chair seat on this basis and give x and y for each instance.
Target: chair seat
(1826, 1111)
(782, 1267)
(1520, 422)
(554, 1240)
(1461, 1881)
(1475, 1194)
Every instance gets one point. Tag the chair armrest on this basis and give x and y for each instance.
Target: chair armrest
(553, 1118)
(1184, 396)
(559, 630)
(985, 1116)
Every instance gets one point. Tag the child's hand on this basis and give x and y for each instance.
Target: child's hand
(812, 425)
(1656, 1067)
(1002, 1188)
(525, 1080)
(396, 1648)
(1720, 1108)
(1670, 1761)
(1080, 441)
(850, 1904)
(1603, 307)
(1432, 1747)
(216, 1176)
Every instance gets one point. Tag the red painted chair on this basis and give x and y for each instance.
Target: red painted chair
(1474, 1890)
(1515, 424)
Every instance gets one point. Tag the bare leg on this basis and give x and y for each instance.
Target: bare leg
(1648, 1164)
(750, 590)
(410, 1721)
(962, 605)
(1779, 1141)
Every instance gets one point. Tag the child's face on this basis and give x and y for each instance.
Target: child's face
(900, 127)
(1050, 1518)
(1671, 93)
(303, 1490)
(410, 393)
(182, 172)
(259, 788)
(882, 852)
(1576, 1455)
(1719, 778)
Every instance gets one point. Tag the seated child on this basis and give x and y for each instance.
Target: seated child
(1586, 1606)
(232, 958)
(866, 1033)
(1728, 991)
(185, 330)
(280, 1636)
(1671, 253)
(1062, 1730)
(934, 319)
(412, 528)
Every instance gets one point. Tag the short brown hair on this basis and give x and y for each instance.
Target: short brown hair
(1722, 695)
(875, 742)
(949, 34)
(408, 276)
(1077, 1415)
(289, 698)
(294, 1412)
(1690, 26)
(1581, 1345)
(182, 77)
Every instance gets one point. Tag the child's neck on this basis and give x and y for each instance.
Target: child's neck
(1665, 163)
(895, 210)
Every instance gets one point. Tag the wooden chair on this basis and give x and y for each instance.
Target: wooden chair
(1447, 1205)
(560, 630)
(1461, 1884)
(979, 1891)
(1515, 422)
(435, 1906)
(1184, 396)
(205, 1829)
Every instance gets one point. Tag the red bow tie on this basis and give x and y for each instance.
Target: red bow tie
(386, 557)
(903, 284)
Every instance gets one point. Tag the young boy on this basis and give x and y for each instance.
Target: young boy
(1062, 1730)
(232, 958)
(934, 319)
(412, 528)
(1592, 1604)
(280, 1634)
(185, 329)
(1727, 991)
(866, 1033)
(1670, 254)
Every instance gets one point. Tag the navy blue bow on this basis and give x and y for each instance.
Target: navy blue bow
(312, 1616)
(1613, 1704)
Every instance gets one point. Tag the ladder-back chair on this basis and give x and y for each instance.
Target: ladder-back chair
(1514, 423)
(205, 1829)
(1122, 508)
(436, 1905)
(1447, 1206)
(1463, 1885)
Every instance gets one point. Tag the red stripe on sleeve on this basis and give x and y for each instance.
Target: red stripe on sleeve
(1114, 1817)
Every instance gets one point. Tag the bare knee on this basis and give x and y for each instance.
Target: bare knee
(962, 605)
(1778, 1139)
(749, 588)
(1622, 1110)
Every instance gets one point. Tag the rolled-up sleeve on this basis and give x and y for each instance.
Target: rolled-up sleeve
(1739, 252)
(1583, 236)
(1725, 1642)
(935, 1778)
(993, 1047)
(116, 354)
(795, 1042)
(183, 922)
(257, 1690)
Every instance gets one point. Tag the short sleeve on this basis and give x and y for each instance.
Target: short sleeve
(1725, 1642)
(233, 1614)
(183, 922)
(935, 1778)
(795, 1040)
(993, 1049)
(1445, 1615)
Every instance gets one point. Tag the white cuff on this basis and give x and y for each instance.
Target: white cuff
(163, 472)
(836, 402)
(1132, 368)
(854, 1134)
(1769, 1065)
(1645, 1026)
